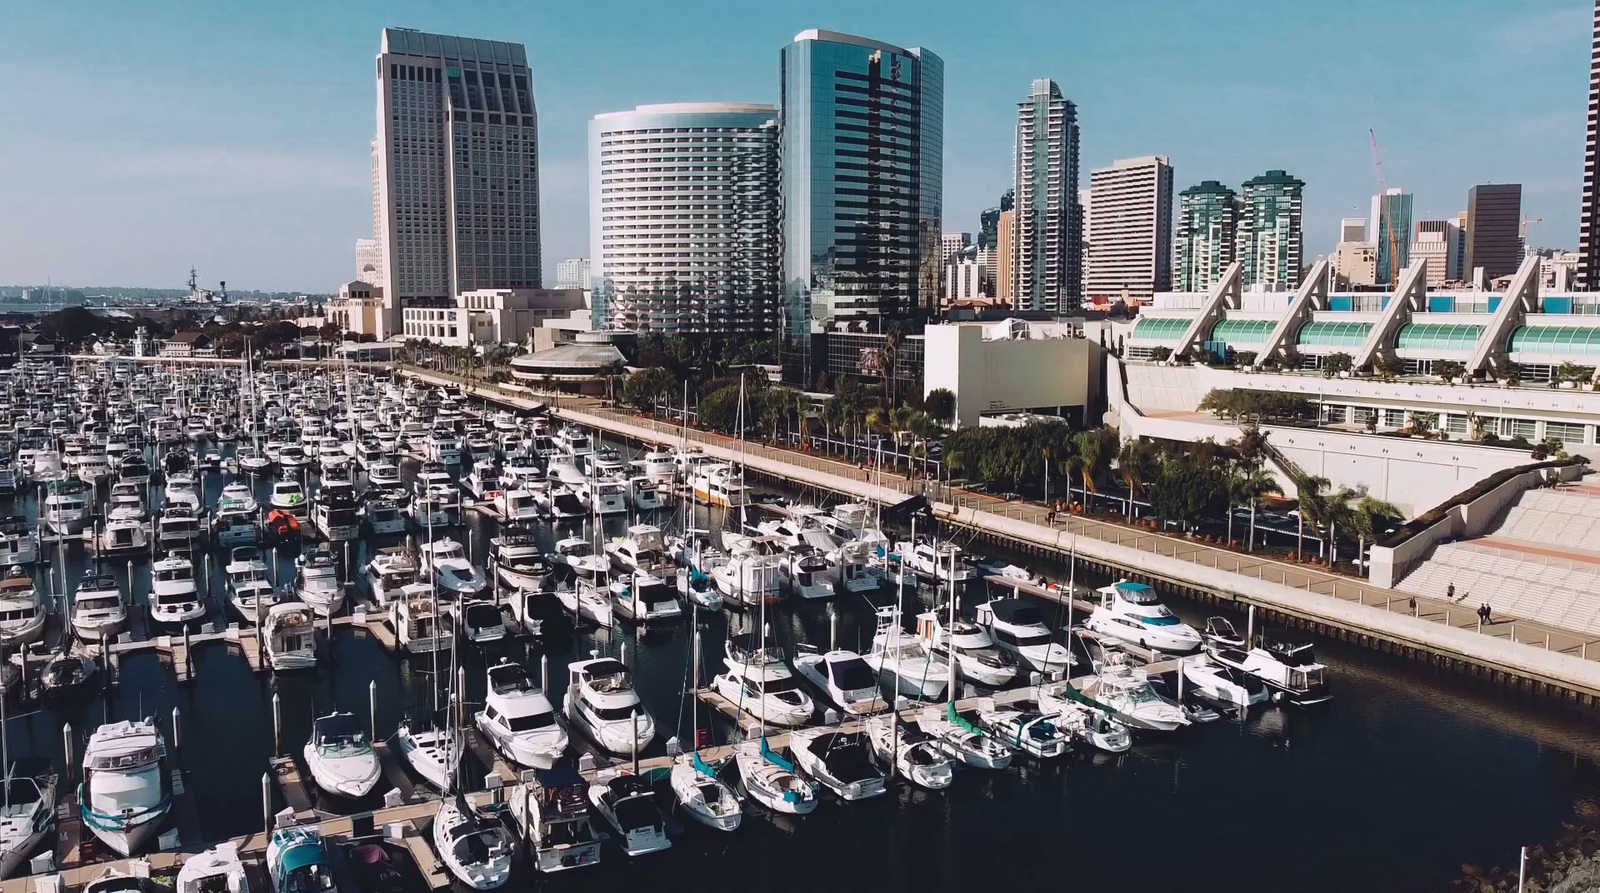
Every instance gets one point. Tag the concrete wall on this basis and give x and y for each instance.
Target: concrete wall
(1415, 475)
(1390, 564)
(1008, 375)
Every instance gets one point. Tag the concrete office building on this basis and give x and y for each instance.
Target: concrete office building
(683, 219)
(1013, 366)
(1589, 214)
(1271, 238)
(1049, 241)
(458, 169)
(1353, 229)
(950, 243)
(369, 261)
(1130, 229)
(1208, 224)
(573, 272)
(863, 156)
(1439, 241)
(1494, 229)
(1392, 209)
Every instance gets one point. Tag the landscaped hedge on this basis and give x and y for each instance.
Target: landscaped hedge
(1435, 515)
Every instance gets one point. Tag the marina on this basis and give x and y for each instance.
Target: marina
(233, 724)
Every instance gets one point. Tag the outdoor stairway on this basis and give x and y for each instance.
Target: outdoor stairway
(1549, 589)
(1554, 519)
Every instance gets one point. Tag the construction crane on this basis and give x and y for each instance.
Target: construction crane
(1386, 220)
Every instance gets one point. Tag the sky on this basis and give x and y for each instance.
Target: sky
(143, 138)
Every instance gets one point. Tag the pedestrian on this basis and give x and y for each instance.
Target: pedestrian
(1050, 518)
(1488, 613)
(1413, 606)
(1450, 592)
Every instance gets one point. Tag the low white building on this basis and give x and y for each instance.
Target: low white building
(1012, 366)
(492, 316)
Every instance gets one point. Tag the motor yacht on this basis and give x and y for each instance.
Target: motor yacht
(340, 755)
(335, 514)
(473, 844)
(552, 816)
(915, 755)
(1228, 686)
(27, 820)
(251, 461)
(290, 637)
(419, 626)
(750, 575)
(483, 481)
(702, 795)
(10, 480)
(601, 701)
(659, 467)
(180, 489)
(389, 572)
(249, 590)
(518, 506)
(563, 504)
(627, 803)
(482, 623)
(1026, 731)
(383, 517)
(976, 655)
(384, 475)
(237, 499)
(1131, 612)
(1126, 692)
(134, 470)
(216, 870)
(126, 793)
(22, 610)
(720, 485)
(456, 576)
(962, 740)
(518, 719)
(516, 559)
(589, 596)
(99, 612)
(844, 677)
(19, 542)
(642, 549)
(942, 562)
(646, 494)
(902, 660)
(178, 530)
(66, 507)
(290, 497)
(605, 496)
(641, 597)
(317, 582)
(839, 761)
(297, 861)
(1288, 667)
(760, 685)
(1017, 626)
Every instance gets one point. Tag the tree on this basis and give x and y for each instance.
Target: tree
(646, 387)
(1372, 516)
(940, 404)
(1389, 367)
(1136, 465)
(1449, 370)
(1575, 373)
(1185, 491)
(1092, 451)
(1160, 354)
(1336, 364)
(719, 410)
(611, 372)
(892, 340)
(1424, 423)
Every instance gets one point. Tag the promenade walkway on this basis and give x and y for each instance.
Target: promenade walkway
(1540, 651)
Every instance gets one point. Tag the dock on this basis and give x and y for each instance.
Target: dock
(486, 755)
(292, 787)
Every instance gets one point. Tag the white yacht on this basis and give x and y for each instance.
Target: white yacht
(903, 661)
(66, 507)
(943, 562)
(602, 702)
(340, 756)
(589, 596)
(720, 485)
(237, 499)
(760, 685)
(456, 576)
(915, 755)
(1090, 723)
(516, 559)
(627, 803)
(291, 497)
(977, 658)
(419, 625)
(518, 719)
(845, 678)
(483, 481)
(389, 572)
(660, 467)
(519, 506)
(1126, 691)
(1017, 626)
(249, 590)
(750, 575)
(642, 549)
(383, 517)
(705, 797)
(19, 542)
(1027, 731)
(22, 611)
(962, 739)
(840, 761)
(317, 582)
(428, 751)
(1286, 666)
(641, 597)
(554, 820)
(98, 609)
(217, 870)
(126, 790)
(180, 490)
(1131, 612)
(646, 494)
(384, 474)
(473, 845)
(27, 820)
(290, 634)
(805, 573)
(772, 780)
(605, 496)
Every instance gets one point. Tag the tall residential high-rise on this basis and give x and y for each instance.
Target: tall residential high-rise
(1588, 274)
(1271, 237)
(573, 272)
(989, 220)
(1493, 234)
(458, 169)
(1393, 208)
(1130, 229)
(1208, 222)
(683, 218)
(863, 175)
(1005, 251)
(1049, 249)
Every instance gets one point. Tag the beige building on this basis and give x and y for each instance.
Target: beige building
(1355, 264)
(1434, 247)
(492, 315)
(358, 308)
(1005, 248)
(1012, 366)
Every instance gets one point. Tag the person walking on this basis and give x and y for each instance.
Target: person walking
(1413, 606)
(1488, 613)
(1450, 592)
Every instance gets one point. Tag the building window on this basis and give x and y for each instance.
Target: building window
(1566, 433)
(1334, 413)
(1361, 415)
(1394, 418)
(1456, 424)
(1523, 428)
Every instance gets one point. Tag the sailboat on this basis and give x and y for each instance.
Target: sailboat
(769, 778)
(28, 817)
(699, 792)
(954, 733)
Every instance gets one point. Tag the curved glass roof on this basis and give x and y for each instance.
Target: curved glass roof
(1334, 334)
(1437, 336)
(1581, 340)
(1243, 331)
(1161, 328)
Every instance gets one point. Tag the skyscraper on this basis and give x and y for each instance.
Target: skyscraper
(1208, 222)
(1393, 208)
(1271, 240)
(863, 156)
(683, 219)
(1589, 215)
(1005, 252)
(458, 169)
(1494, 221)
(573, 272)
(1130, 229)
(1049, 249)
(989, 220)
(1437, 243)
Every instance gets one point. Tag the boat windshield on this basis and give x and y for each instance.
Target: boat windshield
(340, 734)
(174, 574)
(1137, 594)
(313, 878)
(773, 686)
(510, 679)
(852, 675)
(531, 722)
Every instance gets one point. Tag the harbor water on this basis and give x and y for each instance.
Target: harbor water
(1401, 779)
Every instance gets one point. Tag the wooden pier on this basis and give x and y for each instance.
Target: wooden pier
(292, 786)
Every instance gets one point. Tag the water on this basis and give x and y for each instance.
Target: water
(1403, 777)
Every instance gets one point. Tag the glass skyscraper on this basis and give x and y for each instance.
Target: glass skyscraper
(1271, 238)
(1393, 208)
(1208, 224)
(863, 169)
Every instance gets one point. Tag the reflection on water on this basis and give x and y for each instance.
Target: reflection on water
(1404, 776)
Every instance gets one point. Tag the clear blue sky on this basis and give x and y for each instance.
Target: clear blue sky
(141, 138)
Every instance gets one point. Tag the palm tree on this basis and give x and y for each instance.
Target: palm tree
(1246, 485)
(1091, 458)
(1135, 464)
(1370, 513)
(612, 371)
(1312, 495)
(891, 356)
